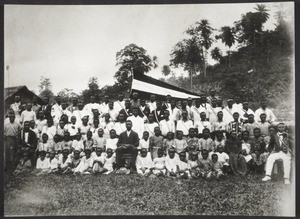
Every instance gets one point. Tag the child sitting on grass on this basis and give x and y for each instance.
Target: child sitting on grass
(205, 165)
(193, 165)
(182, 166)
(171, 163)
(42, 164)
(86, 164)
(77, 144)
(216, 167)
(63, 161)
(98, 161)
(159, 168)
(144, 163)
(109, 162)
(53, 162)
(180, 143)
(223, 158)
(24, 165)
(100, 141)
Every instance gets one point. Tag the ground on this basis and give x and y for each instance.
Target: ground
(132, 195)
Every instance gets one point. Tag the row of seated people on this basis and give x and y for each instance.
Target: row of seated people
(237, 151)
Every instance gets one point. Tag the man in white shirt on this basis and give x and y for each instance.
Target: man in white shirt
(228, 111)
(92, 105)
(202, 124)
(152, 103)
(196, 110)
(112, 112)
(263, 109)
(28, 114)
(104, 105)
(245, 111)
(237, 106)
(137, 122)
(56, 110)
(120, 126)
(120, 103)
(65, 111)
(16, 107)
(174, 111)
(213, 111)
(184, 124)
(166, 125)
(150, 125)
(80, 113)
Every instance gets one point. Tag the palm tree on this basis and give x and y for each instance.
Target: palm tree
(188, 55)
(228, 38)
(263, 12)
(202, 33)
(216, 54)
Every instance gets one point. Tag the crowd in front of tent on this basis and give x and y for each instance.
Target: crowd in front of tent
(200, 139)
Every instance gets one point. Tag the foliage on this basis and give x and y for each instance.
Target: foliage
(133, 59)
(93, 90)
(132, 195)
(216, 54)
(67, 94)
(166, 70)
(46, 89)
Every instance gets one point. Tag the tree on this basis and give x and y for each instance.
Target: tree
(133, 60)
(216, 54)
(93, 90)
(46, 89)
(227, 37)
(187, 54)
(202, 32)
(67, 94)
(166, 70)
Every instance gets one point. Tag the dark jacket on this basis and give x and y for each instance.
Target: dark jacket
(158, 116)
(47, 110)
(275, 144)
(126, 112)
(32, 139)
(132, 139)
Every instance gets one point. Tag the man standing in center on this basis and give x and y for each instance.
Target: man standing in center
(127, 144)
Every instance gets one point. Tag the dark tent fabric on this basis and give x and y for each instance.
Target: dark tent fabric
(145, 86)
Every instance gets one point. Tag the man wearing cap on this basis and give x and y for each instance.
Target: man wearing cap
(263, 109)
(11, 137)
(127, 144)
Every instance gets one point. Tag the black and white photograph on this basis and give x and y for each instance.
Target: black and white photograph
(149, 109)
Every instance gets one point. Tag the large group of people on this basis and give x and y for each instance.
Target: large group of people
(187, 138)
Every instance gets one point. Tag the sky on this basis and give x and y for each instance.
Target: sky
(70, 44)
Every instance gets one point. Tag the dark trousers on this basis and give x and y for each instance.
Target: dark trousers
(123, 154)
(10, 153)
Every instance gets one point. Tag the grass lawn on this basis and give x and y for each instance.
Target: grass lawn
(132, 194)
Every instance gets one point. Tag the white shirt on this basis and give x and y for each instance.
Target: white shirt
(56, 112)
(213, 114)
(149, 127)
(119, 105)
(144, 162)
(200, 125)
(152, 106)
(137, 125)
(106, 128)
(67, 113)
(228, 114)
(72, 128)
(27, 116)
(79, 114)
(43, 164)
(269, 113)
(144, 144)
(174, 113)
(113, 114)
(166, 126)
(171, 164)
(103, 108)
(184, 126)
(195, 113)
(50, 131)
(222, 157)
(120, 127)
(77, 145)
(53, 163)
(91, 106)
(112, 143)
(128, 133)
